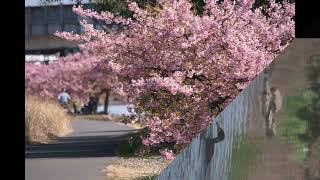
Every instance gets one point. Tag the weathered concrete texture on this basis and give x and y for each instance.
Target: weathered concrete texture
(201, 160)
(47, 42)
(42, 22)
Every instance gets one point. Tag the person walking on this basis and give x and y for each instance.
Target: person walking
(64, 99)
(274, 106)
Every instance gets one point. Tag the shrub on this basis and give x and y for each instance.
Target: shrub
(44, 120)
(133, 147)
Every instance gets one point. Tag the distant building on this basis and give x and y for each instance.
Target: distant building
(43, 20)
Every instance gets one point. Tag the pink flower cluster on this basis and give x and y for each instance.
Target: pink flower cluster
(166, 83)
(168, 154)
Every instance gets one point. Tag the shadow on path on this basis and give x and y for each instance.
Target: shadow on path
(127, 131)
(77, 146)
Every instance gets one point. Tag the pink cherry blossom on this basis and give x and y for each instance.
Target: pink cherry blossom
(168, 154)
(176, 67)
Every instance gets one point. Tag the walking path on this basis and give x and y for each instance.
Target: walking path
(275, 162)
(82, 155)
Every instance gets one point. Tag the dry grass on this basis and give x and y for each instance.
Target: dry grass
(135, 168)
(44, 120)
(135, 125)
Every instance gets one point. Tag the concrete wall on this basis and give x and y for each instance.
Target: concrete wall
(47, 42)
(42, 22)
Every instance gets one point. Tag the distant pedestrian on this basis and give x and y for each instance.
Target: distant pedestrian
(274, 106)
(266, 96)
(64, 98)
(272, 103)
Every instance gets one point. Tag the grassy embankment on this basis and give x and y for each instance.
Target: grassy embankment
(293, 125)
(244, 153)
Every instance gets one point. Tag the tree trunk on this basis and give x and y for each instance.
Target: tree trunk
(106, 101)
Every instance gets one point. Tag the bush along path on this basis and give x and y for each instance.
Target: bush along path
(137, 161)
(81, 155)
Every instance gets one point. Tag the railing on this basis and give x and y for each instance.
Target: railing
(40, 59)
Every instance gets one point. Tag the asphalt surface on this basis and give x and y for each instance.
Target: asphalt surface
(82, 155)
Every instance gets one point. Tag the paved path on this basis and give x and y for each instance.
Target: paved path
(82, 155)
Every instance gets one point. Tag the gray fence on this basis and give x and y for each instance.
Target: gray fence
(204, 161)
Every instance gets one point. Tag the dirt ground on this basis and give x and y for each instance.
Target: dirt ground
(134, 167)
(275, 163)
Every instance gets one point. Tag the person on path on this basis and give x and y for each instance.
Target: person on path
(64, 98)
(274, 106)
(271, 104)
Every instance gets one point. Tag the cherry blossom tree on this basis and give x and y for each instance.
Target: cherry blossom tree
(180, 69)
(79, 73)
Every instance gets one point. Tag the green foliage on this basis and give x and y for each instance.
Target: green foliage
(198, 6)
(293, 124)
(243, 155)
(133, 146)
(313, 68)
(119, 7)
(299, 121)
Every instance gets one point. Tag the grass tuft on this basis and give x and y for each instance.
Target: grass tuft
(44, 120)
